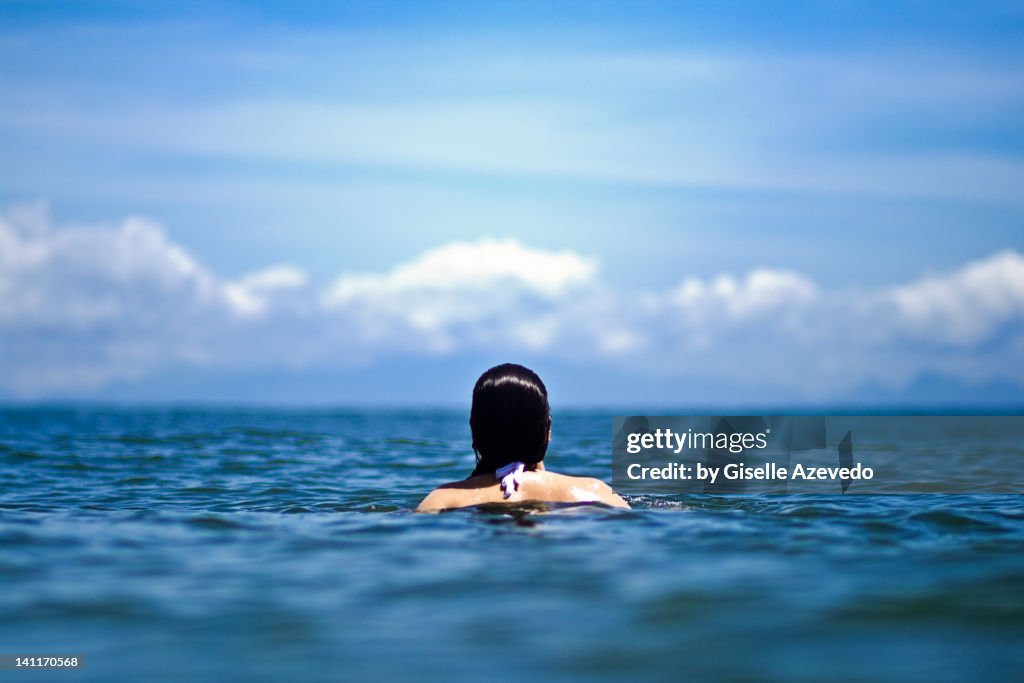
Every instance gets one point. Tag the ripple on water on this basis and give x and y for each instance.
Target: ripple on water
(955, 521)
(215, 523)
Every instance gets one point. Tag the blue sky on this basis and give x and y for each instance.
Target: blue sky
(691, 203)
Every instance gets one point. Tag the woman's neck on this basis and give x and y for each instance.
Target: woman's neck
(535, 467)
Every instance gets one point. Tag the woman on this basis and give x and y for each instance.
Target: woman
(511, 425)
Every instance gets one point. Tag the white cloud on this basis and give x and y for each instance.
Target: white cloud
(464, 293)
(252, 294)
(84, 306)
(80, 277)
(761, 291)
(471, 266)
(966, 306)
(81, 306)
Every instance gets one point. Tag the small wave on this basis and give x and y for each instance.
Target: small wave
(406, 441)
(215, 523)
(135, 481)
(16, 455)
(948, 520)
(266, 433)
(204, 489)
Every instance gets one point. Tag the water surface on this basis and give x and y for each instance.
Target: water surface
(277, 545)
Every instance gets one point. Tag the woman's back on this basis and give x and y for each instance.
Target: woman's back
(538, 485)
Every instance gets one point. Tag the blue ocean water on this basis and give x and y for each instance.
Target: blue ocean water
(171, 544)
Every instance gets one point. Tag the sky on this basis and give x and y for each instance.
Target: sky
(692, 204)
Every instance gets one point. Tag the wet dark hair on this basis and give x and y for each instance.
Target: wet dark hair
(510, 418)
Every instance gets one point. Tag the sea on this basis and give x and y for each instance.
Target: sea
(263, 544)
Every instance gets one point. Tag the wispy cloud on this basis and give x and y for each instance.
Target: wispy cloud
(795, 121)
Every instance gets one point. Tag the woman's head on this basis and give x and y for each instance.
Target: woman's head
(510, 418)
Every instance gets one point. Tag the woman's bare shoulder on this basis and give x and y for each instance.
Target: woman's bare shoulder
(438, 499)
(462, 493)
(565, 487)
